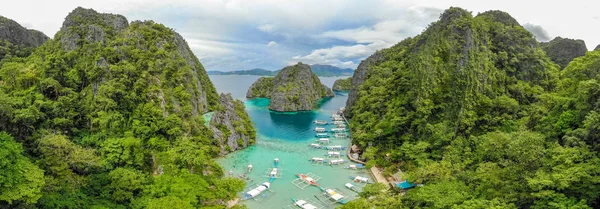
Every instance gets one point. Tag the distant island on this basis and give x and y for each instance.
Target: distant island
(319, 70)
(343, 84)
(294, 88)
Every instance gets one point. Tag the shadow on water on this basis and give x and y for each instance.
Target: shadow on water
(297, 124)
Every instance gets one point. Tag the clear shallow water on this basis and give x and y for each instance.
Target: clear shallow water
(287, 137)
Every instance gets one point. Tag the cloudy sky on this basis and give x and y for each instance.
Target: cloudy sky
(244, 34)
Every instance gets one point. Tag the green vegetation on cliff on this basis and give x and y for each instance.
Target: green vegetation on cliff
(476, 112)
(344, 84)
(17, 41)
(261, 88)
(295, 88)
(563, 50)
(231, 125)
(109, 115)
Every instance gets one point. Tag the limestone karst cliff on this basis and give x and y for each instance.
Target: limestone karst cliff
(294, 88)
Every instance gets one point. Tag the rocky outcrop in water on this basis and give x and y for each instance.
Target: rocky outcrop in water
(295, 88)
(342, 84)
(563, 50)
(231, 126)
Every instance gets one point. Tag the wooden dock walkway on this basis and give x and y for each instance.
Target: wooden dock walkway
(350, 147)
(378, 176)
(374, 170)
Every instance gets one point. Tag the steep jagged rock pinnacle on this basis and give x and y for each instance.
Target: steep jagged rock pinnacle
(447, 77)
(231, 126)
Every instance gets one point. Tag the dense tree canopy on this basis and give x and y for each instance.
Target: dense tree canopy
(109, 115)
(474, 110)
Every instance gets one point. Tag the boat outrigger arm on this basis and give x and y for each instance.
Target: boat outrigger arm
(255, 192)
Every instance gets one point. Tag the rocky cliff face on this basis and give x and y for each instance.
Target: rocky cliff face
(18, 35)
(87, 31)
(18, 41)
(597, 47)
(295, 88)
(342, 84)
(91, 26)
(360, 74)
(563, 50)
(129, 72)
(452, 77)
(231, 125)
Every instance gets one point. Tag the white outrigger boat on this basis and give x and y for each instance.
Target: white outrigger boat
(305, 204)
(334, 154)
(324, 141)
(338, 122)
(335, 196)
(335, 147)
(355, 166)
(320, 122)
(315, 146)
(320, 129)
(256, 191)
(273, 175)
(341, 135)
(338, 119)
(359, 179)
(340, 126)
(352, 187)
(337, 161)
(322, 135)
(317, 160)
(337, 130)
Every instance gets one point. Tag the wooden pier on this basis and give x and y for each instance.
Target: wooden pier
(349, 149)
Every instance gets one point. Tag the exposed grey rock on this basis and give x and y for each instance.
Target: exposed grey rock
(81, 16)
(92, 26)
(17, 41)
(597, 47)
(295, 88)
(199, 100)
(95, 34)
(228, 127)
(16, 34)
(360, 74)
(102, 64)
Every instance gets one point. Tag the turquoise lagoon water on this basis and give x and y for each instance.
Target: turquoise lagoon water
(287, 137)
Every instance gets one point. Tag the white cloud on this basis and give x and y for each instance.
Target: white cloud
(341, 56)
(368, 39)
(538, 31)
(271, 44)
(267, 28)
(333, 31)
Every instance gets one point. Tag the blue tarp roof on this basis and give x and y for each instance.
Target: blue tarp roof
(406, 185)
